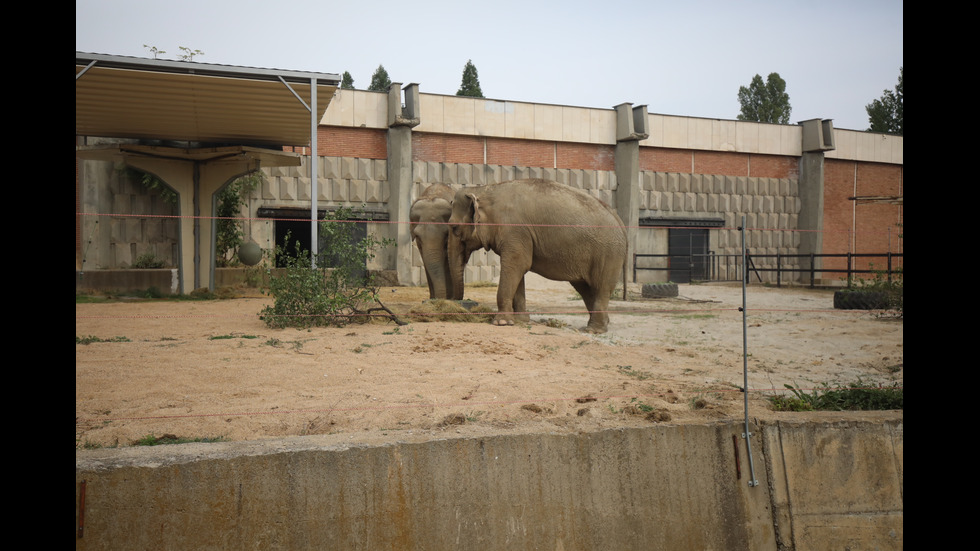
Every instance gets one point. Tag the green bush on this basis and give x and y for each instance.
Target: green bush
(891, 288)
(335, 294)
(857, 396)
(148, 261)
(229, 228)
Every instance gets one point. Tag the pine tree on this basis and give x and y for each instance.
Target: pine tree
(379, 80)
(348, 82)
(765, 101)
(471, 82)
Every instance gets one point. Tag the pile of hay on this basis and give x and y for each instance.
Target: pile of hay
(451, 310)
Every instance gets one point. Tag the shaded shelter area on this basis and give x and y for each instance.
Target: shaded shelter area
(196, 127)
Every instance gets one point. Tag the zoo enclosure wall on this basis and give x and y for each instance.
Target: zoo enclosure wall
(822, 481)
(684, 167)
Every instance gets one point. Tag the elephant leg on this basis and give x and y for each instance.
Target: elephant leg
(511, 280)
(432, 289)
(596, 305)
(520, 304)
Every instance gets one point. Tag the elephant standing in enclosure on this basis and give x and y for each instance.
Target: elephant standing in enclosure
(429, 215)
(553, 230)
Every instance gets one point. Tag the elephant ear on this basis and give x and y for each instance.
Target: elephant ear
(474, 208)
(480, 219)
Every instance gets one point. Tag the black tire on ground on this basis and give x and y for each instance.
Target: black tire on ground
(659, 290)
(860, 300)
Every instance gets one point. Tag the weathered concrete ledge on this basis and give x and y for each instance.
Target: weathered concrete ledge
(824, 481)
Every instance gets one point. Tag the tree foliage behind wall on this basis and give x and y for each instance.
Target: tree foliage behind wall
(765, 101)
(470, 85)
(347, 83)
(379, 80)
(885, 114)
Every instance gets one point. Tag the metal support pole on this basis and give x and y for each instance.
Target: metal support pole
(745, 367)
(314, 161)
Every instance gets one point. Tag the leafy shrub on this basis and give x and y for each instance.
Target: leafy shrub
(890, 289)
(148, 261)
(229, 229)
(338, 294)
(854, 397)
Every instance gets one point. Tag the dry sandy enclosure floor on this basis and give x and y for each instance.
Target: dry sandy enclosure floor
(209, 369)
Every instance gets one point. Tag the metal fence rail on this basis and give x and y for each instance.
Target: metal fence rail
(729, 267)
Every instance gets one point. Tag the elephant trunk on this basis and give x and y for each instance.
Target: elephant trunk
(457, 263)
(437, 270)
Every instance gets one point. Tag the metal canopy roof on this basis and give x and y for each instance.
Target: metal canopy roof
(129, 97)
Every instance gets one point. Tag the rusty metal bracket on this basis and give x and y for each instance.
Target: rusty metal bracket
(80, 530)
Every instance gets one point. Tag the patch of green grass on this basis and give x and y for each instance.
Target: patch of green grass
(857, 396)
(629, 371)
(90, 299)
(89, 445)
(695, 316)
(92, 339)
(150, 294)
(151, 440)
(222, 337)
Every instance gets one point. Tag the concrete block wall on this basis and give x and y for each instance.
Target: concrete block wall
(342, 182)
(771, 208)
(821, 481)
(114, 242)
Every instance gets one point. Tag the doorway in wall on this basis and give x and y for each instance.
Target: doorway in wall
(291, 236)
(688, 250)
(292, 228)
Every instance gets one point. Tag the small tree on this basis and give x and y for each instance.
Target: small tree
(886, 114)
(765, 101)
(379, 80)
(154, 50)
(188, 54)
(229, 234)
(471, 82)
(347, 83)
(327, 296)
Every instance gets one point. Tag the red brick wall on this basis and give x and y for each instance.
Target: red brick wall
(855, 227)
(774, 166)
(655, 159)
(445, 148)
(510, 152)
(729, 164)
(336, 141)
(586, 156)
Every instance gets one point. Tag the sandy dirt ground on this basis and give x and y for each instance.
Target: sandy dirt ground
(213, 369)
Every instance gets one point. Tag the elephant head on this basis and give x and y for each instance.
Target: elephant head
(429, 216)
(465, 236)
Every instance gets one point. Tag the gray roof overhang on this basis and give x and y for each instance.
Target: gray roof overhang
(129, 97)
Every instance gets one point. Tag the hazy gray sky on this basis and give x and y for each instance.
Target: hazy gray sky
(678, 58)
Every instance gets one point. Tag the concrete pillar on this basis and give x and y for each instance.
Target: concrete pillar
(818, 137)
(401, 120)
(631, 127)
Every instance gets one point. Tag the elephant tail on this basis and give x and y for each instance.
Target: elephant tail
(625, 265)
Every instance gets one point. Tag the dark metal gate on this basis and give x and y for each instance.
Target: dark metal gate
(688, 252)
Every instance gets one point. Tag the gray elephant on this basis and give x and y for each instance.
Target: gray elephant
(429, 215)
(553, 230)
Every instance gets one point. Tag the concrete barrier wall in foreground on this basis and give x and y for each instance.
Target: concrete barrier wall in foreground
(824, 482)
